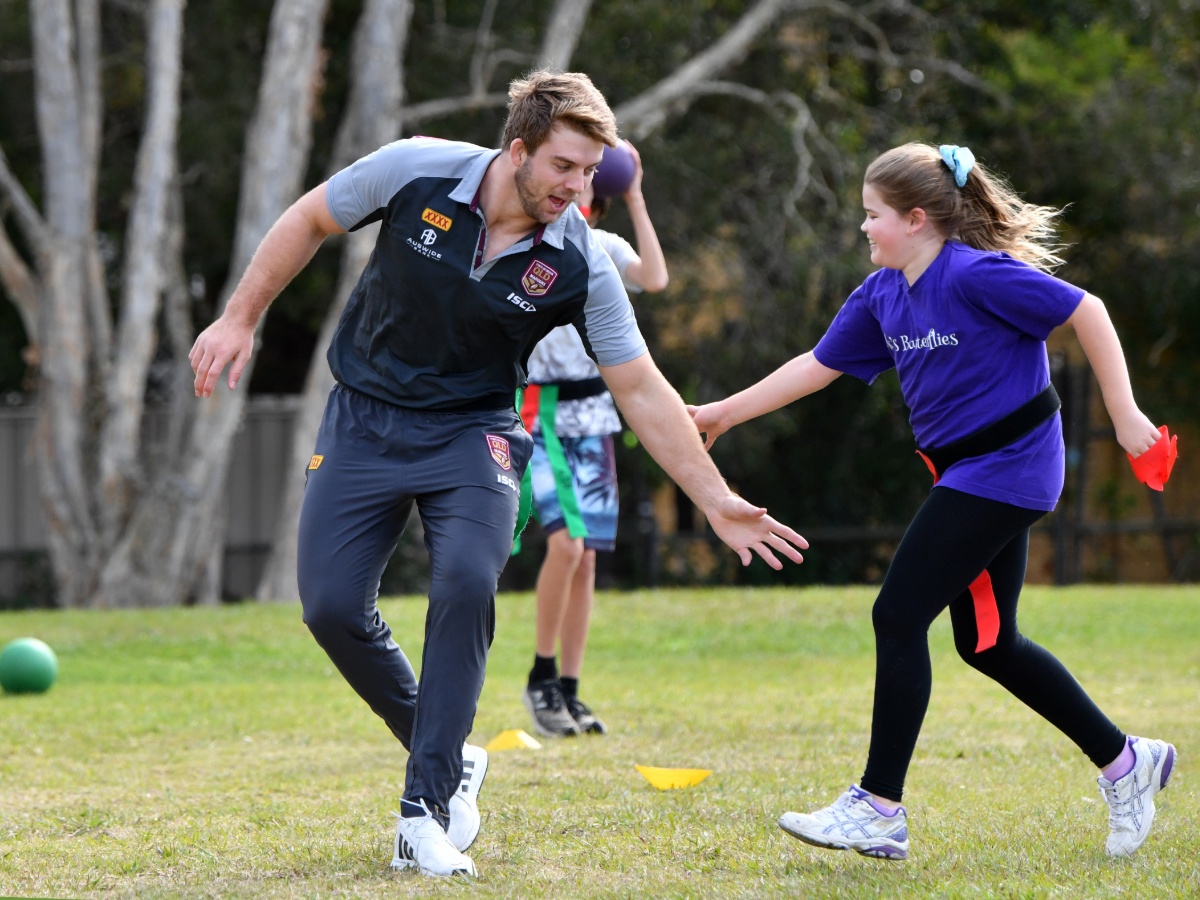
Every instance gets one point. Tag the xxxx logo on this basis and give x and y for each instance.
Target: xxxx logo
(436, 219)
(315, 462)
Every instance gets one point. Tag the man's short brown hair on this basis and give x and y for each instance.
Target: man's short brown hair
(541, 99)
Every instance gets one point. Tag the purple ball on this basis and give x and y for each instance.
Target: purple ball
(615, 172)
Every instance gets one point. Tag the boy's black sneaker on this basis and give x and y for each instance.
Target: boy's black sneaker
(548, 706)
(584, 717)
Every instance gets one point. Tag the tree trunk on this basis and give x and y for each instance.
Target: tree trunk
(166, 553)
(66, 275)
(132, 523)
(120, 459)
(563, 33)
(372, 119)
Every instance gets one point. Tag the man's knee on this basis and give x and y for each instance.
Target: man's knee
(329, 617)
(470, 582)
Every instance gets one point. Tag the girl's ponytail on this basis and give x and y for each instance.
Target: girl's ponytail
(966, 202)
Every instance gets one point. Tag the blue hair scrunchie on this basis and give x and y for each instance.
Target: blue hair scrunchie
(960, 160)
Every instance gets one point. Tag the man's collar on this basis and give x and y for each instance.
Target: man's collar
(468, 189)
(468, 192)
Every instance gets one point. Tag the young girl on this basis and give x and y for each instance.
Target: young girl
(961, 307)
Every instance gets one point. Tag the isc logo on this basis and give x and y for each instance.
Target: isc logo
(518, 300)
(506, 481)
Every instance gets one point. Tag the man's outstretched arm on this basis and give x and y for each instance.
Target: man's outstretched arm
(657, 415)
(284, 252)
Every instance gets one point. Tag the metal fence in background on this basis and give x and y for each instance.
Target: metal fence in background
(1082, 541)
(253, 496)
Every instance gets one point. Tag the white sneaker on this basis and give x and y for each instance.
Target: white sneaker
(463, 806)
(422, 842)
(852, 823)
(1131, 799)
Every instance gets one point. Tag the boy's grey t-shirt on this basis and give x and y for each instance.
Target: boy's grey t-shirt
(429, 324)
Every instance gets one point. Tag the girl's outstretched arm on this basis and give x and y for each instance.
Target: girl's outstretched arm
(796, 378)
(1135, 432)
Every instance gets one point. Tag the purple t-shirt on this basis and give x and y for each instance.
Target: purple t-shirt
(968, 341)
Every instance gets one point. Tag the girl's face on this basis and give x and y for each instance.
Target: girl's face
(887, 231)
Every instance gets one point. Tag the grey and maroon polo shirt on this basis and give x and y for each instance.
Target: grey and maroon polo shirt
(431, 326)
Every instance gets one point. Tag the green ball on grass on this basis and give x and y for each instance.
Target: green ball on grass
(27, 666)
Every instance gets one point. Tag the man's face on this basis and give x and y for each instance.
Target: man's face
(551, 178)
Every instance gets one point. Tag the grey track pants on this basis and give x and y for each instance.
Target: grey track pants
(372, 461)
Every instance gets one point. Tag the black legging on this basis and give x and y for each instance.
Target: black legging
(952, 539)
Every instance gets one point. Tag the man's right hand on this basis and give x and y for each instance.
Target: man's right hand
(747, 528)
(224, 342)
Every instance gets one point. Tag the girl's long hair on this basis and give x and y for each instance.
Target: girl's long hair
(985, 213)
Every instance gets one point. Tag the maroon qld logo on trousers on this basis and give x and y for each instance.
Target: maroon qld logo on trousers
(498, 447)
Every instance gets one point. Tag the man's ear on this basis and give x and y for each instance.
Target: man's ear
(517, 154)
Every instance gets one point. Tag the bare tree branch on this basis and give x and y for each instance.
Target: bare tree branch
(930, 64)
(29, 220)
(647, 112)
(372, 115)
(19, 284)
(882, 46)
(434, 109)
(790, 110)
(280, 135)
(177, 332)
(59, 115)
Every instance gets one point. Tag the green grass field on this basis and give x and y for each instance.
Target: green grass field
(216, 753)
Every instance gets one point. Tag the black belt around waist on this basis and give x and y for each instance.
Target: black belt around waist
(578, 390)
(995, 436)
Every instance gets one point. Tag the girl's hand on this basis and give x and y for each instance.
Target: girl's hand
(708, 422)
(1136, 433)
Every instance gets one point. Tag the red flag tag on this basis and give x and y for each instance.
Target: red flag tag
(1153, 467)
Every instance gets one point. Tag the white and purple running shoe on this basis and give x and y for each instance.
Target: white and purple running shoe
(852, 823)
(1131, 799)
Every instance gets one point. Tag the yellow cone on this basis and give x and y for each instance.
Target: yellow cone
(512, 739)
(665, 779)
